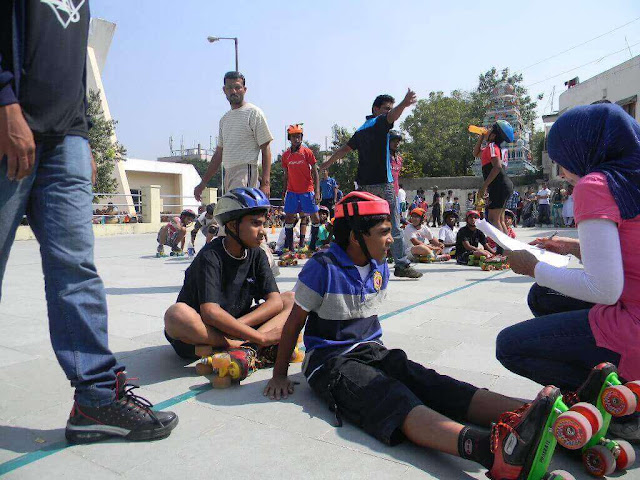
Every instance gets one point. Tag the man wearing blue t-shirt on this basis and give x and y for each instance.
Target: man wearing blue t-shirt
(371, 141)
(329, 191)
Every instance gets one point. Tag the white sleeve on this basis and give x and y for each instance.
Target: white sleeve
(602, 279)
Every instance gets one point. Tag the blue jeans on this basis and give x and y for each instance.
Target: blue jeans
(387, 191)
(555, 348)
(56, 198)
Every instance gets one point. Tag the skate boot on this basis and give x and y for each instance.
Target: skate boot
(601, 397)
(224, 368)
(129, 416)
(522, 442)
(160, 252)
(267, 355)
(176, 252)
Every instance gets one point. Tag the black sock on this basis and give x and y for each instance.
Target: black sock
(474, 444)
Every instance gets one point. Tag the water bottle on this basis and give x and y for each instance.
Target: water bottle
(191, 251)
(477, 130)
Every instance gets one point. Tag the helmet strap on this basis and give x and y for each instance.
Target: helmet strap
(354, 223)
(235, 236)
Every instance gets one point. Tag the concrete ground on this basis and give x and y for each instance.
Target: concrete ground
(446, 320)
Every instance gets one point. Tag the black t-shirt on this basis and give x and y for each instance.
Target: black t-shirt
(52, 84)
(217, 277)
(474, 237)
(371, 141)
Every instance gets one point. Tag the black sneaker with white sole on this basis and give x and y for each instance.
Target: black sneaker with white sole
(129, 416)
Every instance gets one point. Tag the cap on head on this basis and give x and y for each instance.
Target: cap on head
(473, 213)
(418, 211)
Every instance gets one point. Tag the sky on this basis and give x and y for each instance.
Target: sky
(323, 62)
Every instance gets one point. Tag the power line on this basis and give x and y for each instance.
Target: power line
(583, 65)
(579, 45)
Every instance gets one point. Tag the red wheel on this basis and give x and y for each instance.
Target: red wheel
(560, 475)
(635, 388)
(599, 461)
(627, 455)
(619, 401)
(572, 430)
(591, 413)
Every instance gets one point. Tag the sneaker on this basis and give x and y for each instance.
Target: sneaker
(626, 428)
(129, 416)
(407, 272)
(516, 436)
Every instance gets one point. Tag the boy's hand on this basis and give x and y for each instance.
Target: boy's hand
(409, 99)
(270, 337)
(279, 387)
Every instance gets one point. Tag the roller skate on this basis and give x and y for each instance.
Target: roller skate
(497, 262)
(476, 260)
(601, 397)
(191, 252)
(443, 258)
(226, 367)
(176, 252)
(288, 259)
(160, 252)
(523, 442)
(267, 356)
(426, 258)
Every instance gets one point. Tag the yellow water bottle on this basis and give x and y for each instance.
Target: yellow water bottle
(477, 130)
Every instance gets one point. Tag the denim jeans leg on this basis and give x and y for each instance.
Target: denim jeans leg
(557, 349)
(14, 196)
(387, 191)
(59, 213)
(545, 301)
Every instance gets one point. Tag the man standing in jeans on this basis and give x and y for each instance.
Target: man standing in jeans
(371, 141)
(45, 166)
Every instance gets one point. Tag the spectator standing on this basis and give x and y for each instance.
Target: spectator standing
(402, 201)
(243, 135)
(544, 208)
(328, 190)
(436, 210)
(567, 207)
(371, 141)
(46, 166)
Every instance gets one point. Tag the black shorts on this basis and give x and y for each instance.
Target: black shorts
(500, 190)
(184, 350)
(376, 388)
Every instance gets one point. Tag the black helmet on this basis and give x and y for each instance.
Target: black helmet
(395, 135)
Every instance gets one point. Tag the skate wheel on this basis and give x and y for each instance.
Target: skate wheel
(560, 475)
(635, 388)
(591, 413)
(572, 430)
(203, 350)
(281, 263)
(599, 461)
(627, 455)
(619, 400)
(204, 369)
(221, 382)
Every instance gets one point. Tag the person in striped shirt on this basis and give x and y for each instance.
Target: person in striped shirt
(337, 296)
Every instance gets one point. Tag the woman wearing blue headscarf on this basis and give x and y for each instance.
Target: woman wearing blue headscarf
(591, 315)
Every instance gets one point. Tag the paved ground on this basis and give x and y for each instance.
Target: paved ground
(447, 320)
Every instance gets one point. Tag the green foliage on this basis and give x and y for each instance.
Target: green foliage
(439, 141)
(277, 178)
(106, 152)
(537, 146)
(344, 171)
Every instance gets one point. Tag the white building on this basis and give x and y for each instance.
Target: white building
(175, 179)
(620, 84)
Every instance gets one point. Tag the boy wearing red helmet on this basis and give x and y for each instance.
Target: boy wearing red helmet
(471, 240)
(336, 300)
(302, 188)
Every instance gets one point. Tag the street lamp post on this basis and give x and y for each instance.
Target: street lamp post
(235, 41)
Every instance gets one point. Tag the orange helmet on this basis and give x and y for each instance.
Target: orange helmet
(293, 129)
(418, 211)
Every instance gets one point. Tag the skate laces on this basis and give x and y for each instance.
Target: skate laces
(570, 398)
(506, 421)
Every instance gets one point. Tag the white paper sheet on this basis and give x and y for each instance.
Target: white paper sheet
(508, 243)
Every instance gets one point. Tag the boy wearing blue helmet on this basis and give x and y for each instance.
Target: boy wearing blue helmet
(216, 304)
(496, 181)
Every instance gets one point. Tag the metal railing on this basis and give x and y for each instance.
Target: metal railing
(106, 217)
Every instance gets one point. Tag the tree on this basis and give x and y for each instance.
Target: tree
(346, 170)
(106, 152)
(537, 146)
(277, 178)
(488, 81)
(439, 142)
